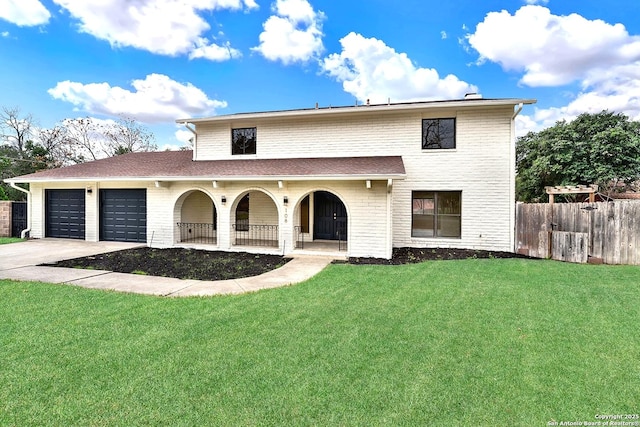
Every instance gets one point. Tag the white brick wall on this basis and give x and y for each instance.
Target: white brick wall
(481, 167)
(262, 209)
(197, 207)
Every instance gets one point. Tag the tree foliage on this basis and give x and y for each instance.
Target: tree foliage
(19, 155)
(85, 139)
(26, 148)
(16, 129)
(14, 163)
(602, 148)
(127, 136)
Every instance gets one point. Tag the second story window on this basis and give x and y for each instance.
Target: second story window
(438, 134)
(243, 141)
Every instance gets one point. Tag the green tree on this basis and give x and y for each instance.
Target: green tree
(602, 148)
(33, 158)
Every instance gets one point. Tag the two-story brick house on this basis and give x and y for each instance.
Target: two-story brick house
(360, 179)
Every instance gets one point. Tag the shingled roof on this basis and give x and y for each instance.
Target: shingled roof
(179, 165)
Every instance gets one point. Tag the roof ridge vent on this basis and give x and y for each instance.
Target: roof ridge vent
(472, 95)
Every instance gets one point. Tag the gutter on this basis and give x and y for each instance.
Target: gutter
(517, 111)
(24, 232)
(229, 178)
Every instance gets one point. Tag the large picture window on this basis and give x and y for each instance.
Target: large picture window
(438, 134)
(243, 141)
(436, 214)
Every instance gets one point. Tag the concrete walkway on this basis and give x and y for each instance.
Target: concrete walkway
(19, 261)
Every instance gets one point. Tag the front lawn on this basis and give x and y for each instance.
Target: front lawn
(7, 240)
(472, 342)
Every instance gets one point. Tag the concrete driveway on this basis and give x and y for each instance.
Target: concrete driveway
(20, 261)
(41, 251)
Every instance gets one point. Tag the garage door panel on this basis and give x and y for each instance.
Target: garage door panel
(123, 215)
(65, 213)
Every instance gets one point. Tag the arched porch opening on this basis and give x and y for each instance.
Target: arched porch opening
(321, 222)
(196, 218)
(254, 220)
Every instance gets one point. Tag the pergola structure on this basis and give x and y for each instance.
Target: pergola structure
(591, 190)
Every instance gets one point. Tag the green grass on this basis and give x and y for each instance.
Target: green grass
(7, 240)
(475, 342)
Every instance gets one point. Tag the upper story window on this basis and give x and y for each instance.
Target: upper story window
(243, 141)
(438, 134)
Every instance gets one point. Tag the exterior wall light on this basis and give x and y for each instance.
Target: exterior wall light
(286, 200)
(223, 199)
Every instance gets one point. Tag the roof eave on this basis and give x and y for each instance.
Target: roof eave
(466, 103)
(349, 177)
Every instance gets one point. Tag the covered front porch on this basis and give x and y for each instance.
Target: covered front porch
(257, 224)
(335, 206)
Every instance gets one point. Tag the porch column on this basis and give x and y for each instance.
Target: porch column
(224, 223)
(286, 228)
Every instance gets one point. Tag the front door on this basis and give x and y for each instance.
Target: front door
(330, 217)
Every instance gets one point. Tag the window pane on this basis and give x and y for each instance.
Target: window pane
(448, 226)
(423, 214)
(423, 226)
(242, 214)
(438, 134)
(304, 215)
(449, 203)
(423, 203)
(243, 141)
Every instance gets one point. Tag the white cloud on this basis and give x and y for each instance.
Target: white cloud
(155, 99)
(184, 136)
(552, 50)
(4, 34)
(443, 35)
(213, 51)
(24, 13)
(369, 69)
(613, 91)
(166, 27)
(536, 1)
(293, 34)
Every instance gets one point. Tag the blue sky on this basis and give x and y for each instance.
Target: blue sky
(161, 60)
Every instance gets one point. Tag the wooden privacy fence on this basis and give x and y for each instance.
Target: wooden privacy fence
(603, 232)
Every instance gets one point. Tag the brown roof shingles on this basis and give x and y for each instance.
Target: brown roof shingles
(179, 164)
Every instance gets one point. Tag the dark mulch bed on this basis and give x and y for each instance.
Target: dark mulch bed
(217, 265)
(180, 263)
(414, 255)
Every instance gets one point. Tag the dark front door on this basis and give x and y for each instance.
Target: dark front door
(64, 213)
(123, 215)
(330, 217)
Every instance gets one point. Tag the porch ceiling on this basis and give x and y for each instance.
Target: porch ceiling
(180, 166)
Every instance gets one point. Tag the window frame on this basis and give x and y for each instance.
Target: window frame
(438, 217)
(252, 149)
(440, 129)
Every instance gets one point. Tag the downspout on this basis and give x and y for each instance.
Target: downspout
(24, 232)
(517, 111)
(195, 139)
